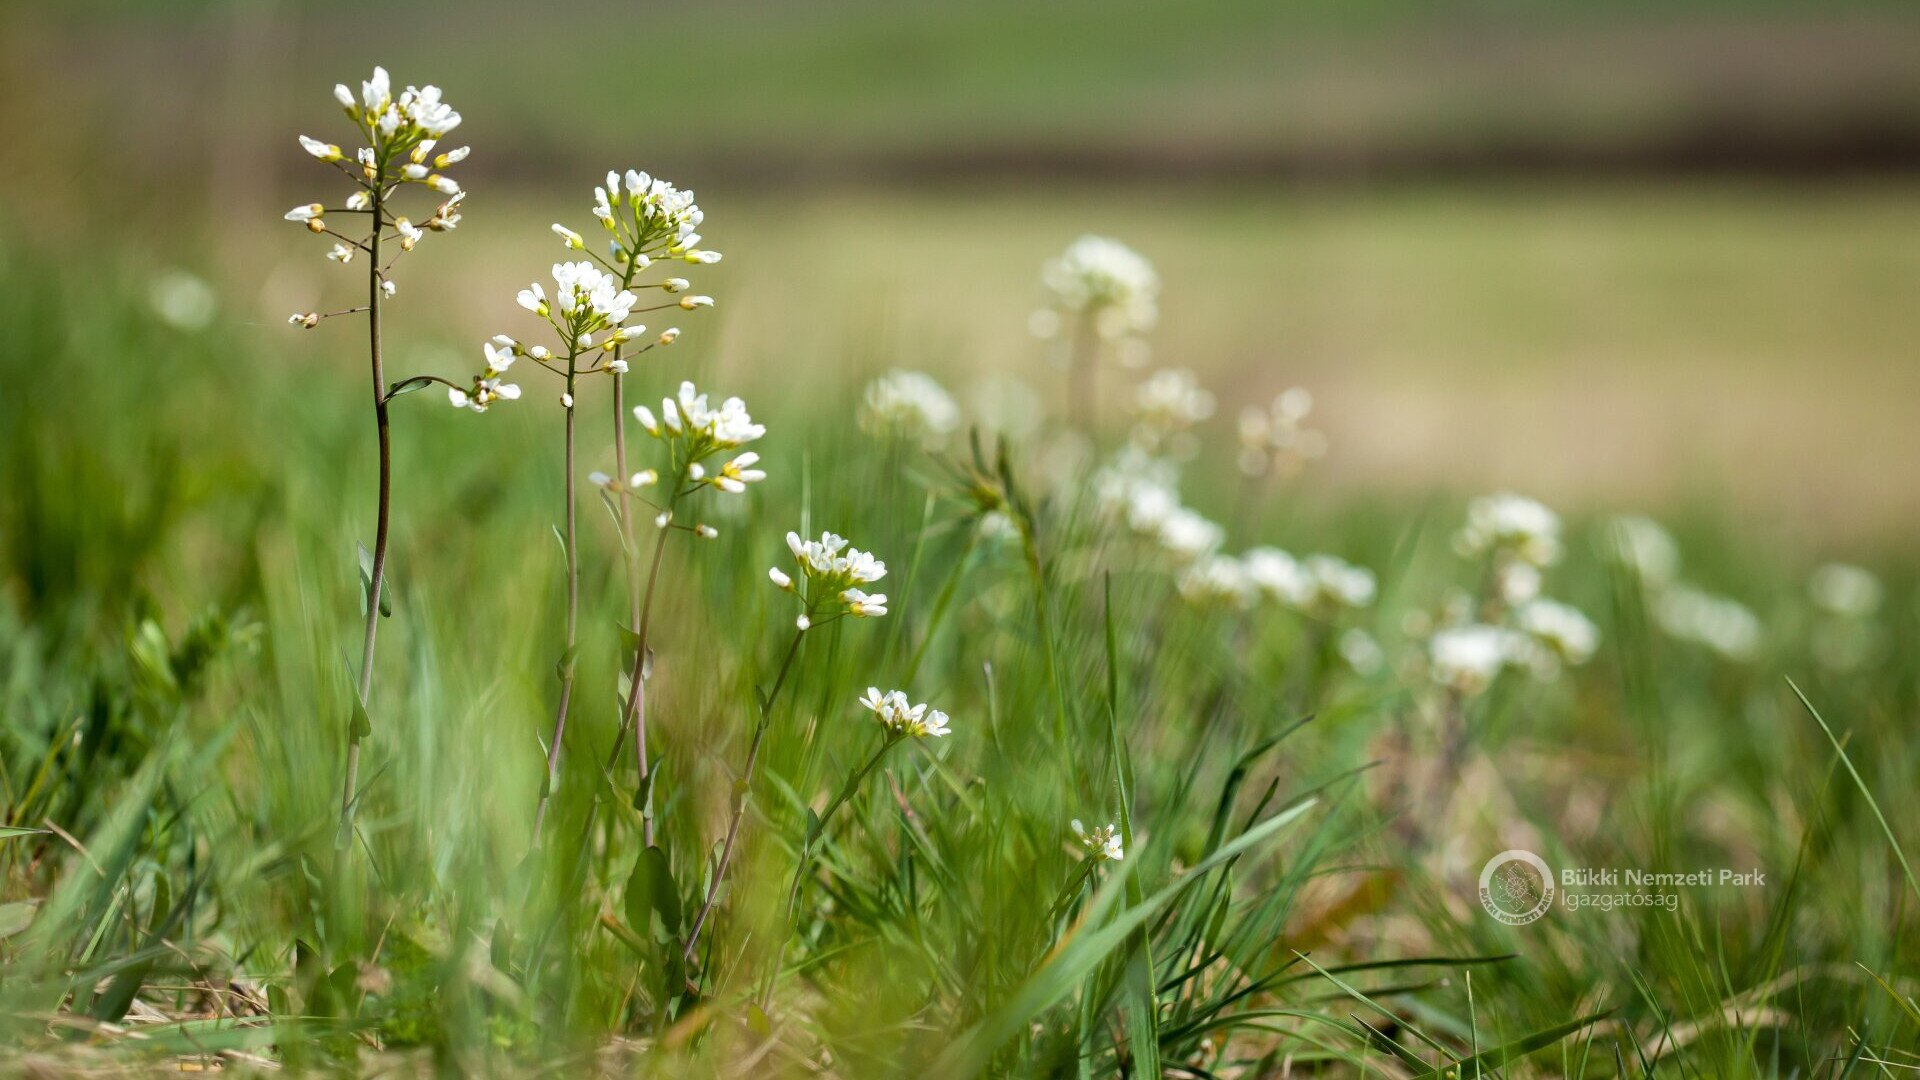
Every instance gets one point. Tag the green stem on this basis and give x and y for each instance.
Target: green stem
(742, 788)
(573, 620)
(377, 574)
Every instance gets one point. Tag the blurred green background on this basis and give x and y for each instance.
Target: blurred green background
(1614, 253)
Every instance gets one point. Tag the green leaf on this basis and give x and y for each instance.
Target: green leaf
(9, 832)
(643, 794)
(1500, 1056)
(16, 916)
(408, 386)
(366, 584)
(359, 725)
(564, 667)
(1865, 792)
(651, 891)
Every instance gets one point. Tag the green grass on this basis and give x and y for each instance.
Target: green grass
(178, 534)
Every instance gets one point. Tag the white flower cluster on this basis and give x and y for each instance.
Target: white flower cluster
(1138, 491)
(403, 132)
(903, 719)
(1720, 624)
(1102, 842)
(588, 310)
(1466, 659)
(832, 574)
(1513, 527)
(1275, 439)
(909, 403)
(1725, 626)
(487, 387)
(1107, 283)
(1844, 591)
(1167, 406)
(1321, 586)
(1515, 626)
(696, 431)
(648, 218)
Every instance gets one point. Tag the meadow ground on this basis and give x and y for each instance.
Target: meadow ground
(1305, 818)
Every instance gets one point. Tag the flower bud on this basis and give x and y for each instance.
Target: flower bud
(669, 335)
(569, 237)
(690, 302)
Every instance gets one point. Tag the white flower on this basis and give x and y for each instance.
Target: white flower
(1107, 281)
(1361, 652)
(1512, 525)
(1643, 546)
(1217, 579)
(690, 302)
(864, 605)
(533, 298)
(306, 213)
(1568, 634)
(1849, 592)
(486, 391)
(779, 577)
(1337, 584)
(900, 717)
(568, 237)
(341, 254)
(1188, 535)
(320, 150)
(909, 403)
(1278, 576)
(1466, 659)
(1725, 626)
(1102, 843)
(735, 475)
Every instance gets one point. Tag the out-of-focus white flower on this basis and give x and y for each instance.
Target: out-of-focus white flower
(1335, 583)
(1137, 490)
(487, 388)
(909, 403)
(1642, 545)
(1278, 576)
(1849, 592)
(1167, 406)
(341, 254)
(1562, 629)
(1186, 534)
(185, 301)
(1725, 626)
(1275, 439)
(1516, 582)
(1217, 580)
(903, 718)
(1466, 659)
(1108, 282)
(1512, 525)
(1102, 843)
(1361, 652)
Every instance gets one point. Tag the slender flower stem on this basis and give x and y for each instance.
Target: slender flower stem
(573, 620)
(377, 574)
(742, 788)
(638, 608)
(817, 830)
